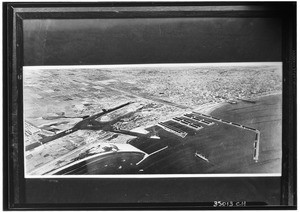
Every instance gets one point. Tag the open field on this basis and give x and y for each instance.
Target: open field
(56, 99)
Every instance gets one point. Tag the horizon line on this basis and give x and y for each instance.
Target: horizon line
(149, 65)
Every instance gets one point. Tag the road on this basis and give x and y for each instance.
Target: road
(215, 148)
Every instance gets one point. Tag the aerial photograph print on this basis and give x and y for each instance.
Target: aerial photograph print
(146, 116)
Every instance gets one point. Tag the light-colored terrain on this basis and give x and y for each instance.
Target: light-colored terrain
(55, 99)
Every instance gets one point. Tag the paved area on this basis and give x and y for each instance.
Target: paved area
(56, 99)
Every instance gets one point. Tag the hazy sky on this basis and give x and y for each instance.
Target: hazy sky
(151, 40)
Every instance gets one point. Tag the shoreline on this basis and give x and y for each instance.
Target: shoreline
(208, 108)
